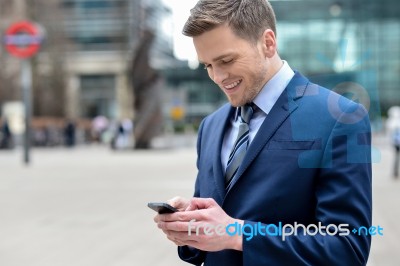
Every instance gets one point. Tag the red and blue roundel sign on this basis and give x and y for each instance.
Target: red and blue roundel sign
(23, 39)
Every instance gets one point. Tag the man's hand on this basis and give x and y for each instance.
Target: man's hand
(205, 220)
(179, 203)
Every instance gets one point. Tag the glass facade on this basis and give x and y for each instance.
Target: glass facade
(97, 25)
(351, 41)
(116, 25)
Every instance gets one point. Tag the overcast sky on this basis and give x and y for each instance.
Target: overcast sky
(183, 45)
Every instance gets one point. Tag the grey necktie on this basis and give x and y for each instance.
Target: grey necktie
(240, 147)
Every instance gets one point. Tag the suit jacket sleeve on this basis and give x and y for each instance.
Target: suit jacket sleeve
(343, 196)
(187, 253)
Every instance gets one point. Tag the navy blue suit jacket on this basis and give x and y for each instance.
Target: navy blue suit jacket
(310, 162)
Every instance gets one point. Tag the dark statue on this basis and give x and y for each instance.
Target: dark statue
(146, 90)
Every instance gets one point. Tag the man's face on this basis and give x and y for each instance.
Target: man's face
(237, 66)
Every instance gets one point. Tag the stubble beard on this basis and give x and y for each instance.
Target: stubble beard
(250, 93)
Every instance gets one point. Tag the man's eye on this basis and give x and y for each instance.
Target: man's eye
(227, 61)
(206, 66)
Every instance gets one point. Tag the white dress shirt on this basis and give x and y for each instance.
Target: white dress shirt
(265, 100)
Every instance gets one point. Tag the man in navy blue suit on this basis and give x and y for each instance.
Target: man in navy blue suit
(284, 169)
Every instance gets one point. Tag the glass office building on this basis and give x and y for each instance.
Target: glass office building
(355, 41)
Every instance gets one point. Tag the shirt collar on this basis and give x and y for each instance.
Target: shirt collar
(271, 91)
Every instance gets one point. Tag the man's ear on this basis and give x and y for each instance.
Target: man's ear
(268, 42)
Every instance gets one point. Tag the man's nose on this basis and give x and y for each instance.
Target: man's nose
(218, 75)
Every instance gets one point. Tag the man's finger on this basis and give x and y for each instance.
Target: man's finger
(200, 203)
(193, 226)
(183, 237)
(178, 202)
(185, 216)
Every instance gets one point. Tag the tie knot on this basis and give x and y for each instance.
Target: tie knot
(246, 112)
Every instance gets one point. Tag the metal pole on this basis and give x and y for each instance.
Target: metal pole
(26, 81)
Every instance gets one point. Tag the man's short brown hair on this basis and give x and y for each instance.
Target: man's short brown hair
(247, 18)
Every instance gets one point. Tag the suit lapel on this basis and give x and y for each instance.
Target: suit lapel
(284, 106)
(220, 128)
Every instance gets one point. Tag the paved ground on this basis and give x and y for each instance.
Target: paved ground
(87, 206)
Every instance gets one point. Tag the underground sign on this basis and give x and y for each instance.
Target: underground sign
(23, 39)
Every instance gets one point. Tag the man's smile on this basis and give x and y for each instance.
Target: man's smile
(233, 85)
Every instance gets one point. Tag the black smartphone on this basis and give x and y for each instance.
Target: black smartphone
(161, 207)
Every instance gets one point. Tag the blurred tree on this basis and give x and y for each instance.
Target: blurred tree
(146, 89)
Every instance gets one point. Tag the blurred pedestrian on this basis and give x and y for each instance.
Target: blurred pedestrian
(117, 142)
(100, 125)
(396, 145)
(69, 133)
(123, 135)
(127, 126)
(5, 135)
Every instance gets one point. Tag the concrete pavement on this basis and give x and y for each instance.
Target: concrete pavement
(87, 206)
